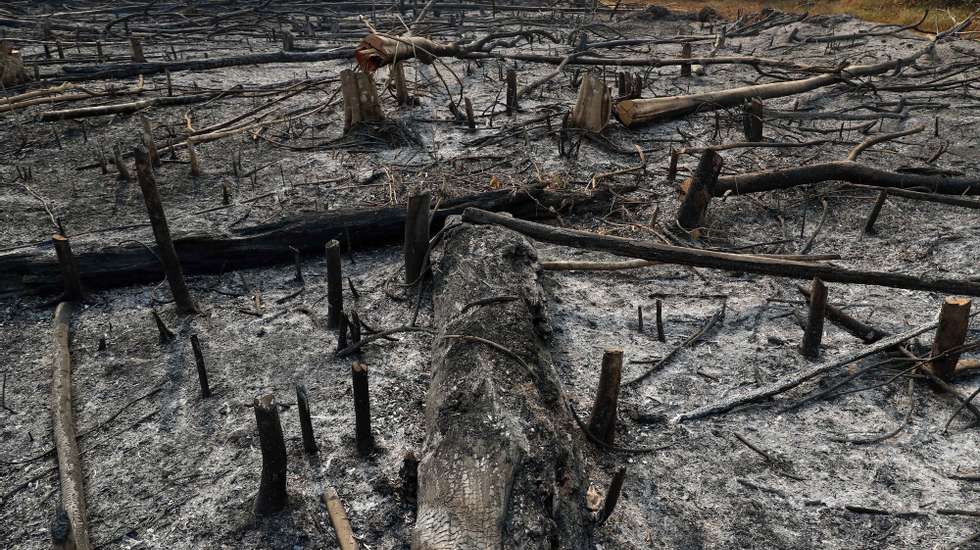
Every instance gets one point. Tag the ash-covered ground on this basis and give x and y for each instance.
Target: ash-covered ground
(165, 468)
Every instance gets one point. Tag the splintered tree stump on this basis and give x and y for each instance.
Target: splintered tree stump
(151, 147)
(810, 347)
(698, 190)
(202, 371)
(416, 245)
(869, 224)
(69, 268)
(305, 422)
(272, 495)
(954, 321)
(593, 106)
(335, 284)
(752, 112)
(602, 421)
(501, 468)
(161, 232)
(401, 87)
(361, 103)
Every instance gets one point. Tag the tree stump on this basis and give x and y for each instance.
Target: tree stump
(272, 495)
(698, 190)
(593, 106)
(499, 469)
(12, 70)
(954, 321)
(361, 103)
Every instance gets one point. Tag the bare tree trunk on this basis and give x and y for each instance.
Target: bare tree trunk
(499, 469)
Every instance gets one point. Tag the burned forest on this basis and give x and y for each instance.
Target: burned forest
(448, 274)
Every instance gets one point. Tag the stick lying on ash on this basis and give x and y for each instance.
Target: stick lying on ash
(646, 250)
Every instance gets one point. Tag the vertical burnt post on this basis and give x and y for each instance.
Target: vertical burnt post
(151, 147)
(954, 321)
(409, 474)
(810, 347)
(342, 331)
(120, 163)
(511, 91)
(202, 372)
(69, 268)
(470, 119)
(401, 87)
(602, 421)
(699, 190)
(752, 112)
(416, 246)
(869, 224)
(354, 324)
(136, 49)
(362, 409)
(660, 322)
(335, 285)
(161, 232)
(305, 423)
(686, 54)
(272, 495)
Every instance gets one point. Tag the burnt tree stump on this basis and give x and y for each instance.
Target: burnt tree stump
(810, 347)
(698, 190)
(361, 103)
(602, 421)
(497, 424)
(69, 268)
(954, 321)
(335, 284)
(272, 495)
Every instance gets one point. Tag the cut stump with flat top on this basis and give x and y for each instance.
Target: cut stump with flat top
(954, 321)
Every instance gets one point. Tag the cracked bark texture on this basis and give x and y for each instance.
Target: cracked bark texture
(501, 468)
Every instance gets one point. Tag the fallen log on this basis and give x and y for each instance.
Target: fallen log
(124, 70)
(37, 270)
(499, 469)
(645, 250)
(844, 170)
(130, 107)
(66, 444)
(635, 112)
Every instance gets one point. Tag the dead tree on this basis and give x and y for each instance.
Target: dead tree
(361, 103)
(593, 106)
(647, 250)
(481, 486)
(161, 231)
(66, 444)
(634, 112)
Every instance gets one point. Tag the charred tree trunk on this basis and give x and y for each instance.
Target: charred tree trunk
(499, 470)
(35, 269)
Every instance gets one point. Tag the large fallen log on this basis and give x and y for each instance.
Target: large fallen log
(635, 112)
(645, 250)
(843, 170)
(499, 469)
(124, 70)
(37, 270)
(66, 444)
